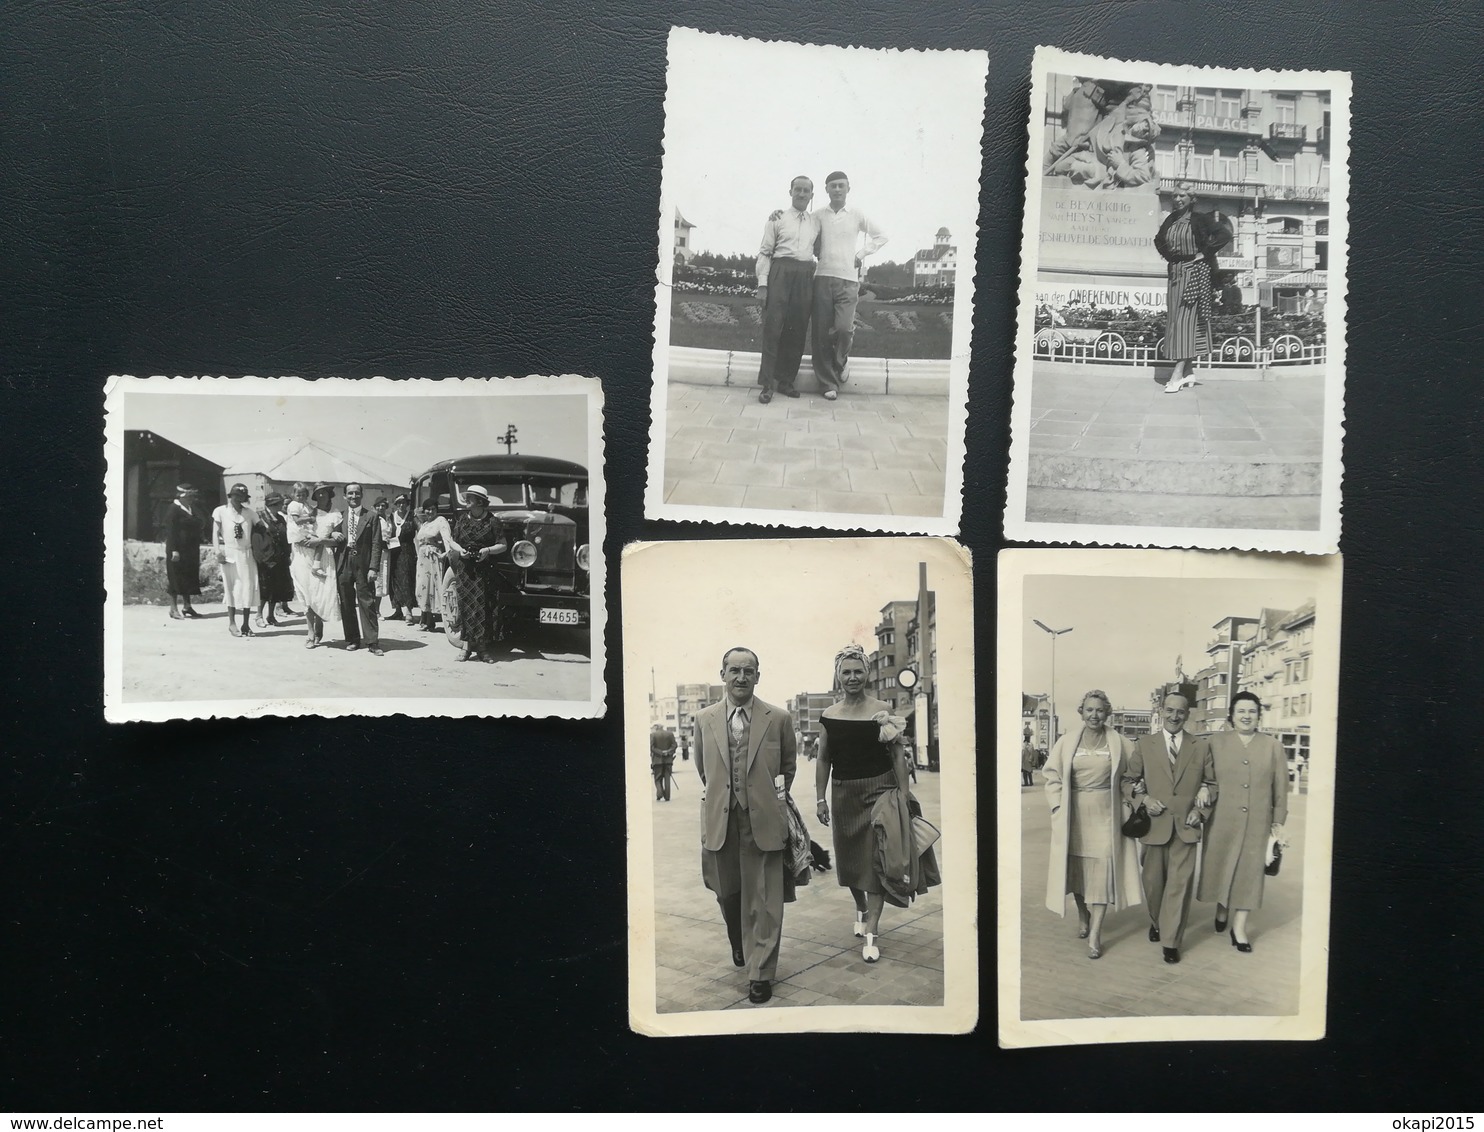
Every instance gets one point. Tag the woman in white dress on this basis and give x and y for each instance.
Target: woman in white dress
(433, 540)
(231, 535)
(313, 566)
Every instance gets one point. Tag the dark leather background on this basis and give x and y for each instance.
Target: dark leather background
(388, 914)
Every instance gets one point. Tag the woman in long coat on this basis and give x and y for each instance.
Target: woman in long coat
(1090, 856)
(1252, 777)
(477, 539)
(183, 530)
(402, 570)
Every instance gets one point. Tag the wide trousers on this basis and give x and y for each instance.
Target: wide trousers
(834, 328)
(786, 322)
(357, 593)
(1169, 876)
(748, 883)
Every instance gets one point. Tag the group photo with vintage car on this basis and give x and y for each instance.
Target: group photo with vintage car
(356, 546)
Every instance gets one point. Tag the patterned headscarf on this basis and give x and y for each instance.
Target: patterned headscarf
(850, 652)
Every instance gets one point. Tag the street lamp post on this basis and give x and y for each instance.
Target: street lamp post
(1054, 634)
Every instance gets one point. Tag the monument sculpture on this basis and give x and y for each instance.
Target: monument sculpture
(1108, 140)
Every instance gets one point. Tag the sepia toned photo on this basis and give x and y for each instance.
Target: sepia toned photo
(1180, 361)
(1166, 785)
(800, 787)
(818, 226)
(277, 546)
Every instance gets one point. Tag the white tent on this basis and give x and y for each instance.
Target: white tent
(275, 465)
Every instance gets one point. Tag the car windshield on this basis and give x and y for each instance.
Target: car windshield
(503, 492)
(570, 493)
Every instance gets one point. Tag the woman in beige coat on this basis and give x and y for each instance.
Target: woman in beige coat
(1252, 775)
(1090, 857)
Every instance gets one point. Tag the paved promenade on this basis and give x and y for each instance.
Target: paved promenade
(1109, 447)
(819, 962)
(1058, 980)
(866, 453)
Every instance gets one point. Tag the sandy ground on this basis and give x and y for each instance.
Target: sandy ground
(165, 660)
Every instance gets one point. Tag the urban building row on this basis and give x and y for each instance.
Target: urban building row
(900, 645)
(1260, 158)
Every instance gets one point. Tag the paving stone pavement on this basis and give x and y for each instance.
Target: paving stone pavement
(819, 961)
(1058, 980)
(1107, 447)
(867, 454)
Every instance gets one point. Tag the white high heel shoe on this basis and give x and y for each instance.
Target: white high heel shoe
(860, 925)
(870, 953)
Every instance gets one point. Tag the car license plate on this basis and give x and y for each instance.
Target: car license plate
(559, 617)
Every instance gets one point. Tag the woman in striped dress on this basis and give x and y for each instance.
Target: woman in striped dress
(864, 768)
(1188, 242)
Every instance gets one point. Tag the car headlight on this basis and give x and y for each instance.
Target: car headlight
(523, 554)
(582, 558)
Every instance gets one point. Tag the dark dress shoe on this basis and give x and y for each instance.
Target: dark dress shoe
(1172, 954)
(789, 392)
(738, 959)
(395, 616)
(765, 396)
(1238, 945)
(192, 614)
(375, 650)
(1153, 933)
(352, 646)
(759, 990)
(1220, 924)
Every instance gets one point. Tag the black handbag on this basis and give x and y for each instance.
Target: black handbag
(1137, 823)
(1271, 868)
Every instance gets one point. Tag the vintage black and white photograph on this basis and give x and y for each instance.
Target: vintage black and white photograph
(278, 546)
(818, 225)
(1166, 794)
(800, 785)
(1180, 361)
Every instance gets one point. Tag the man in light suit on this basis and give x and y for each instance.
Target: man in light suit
(745, 755)
(1173, 774)
(356, 571)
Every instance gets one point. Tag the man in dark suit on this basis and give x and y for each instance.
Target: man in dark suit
(1173, 774)
(745, 755)
(356, 571)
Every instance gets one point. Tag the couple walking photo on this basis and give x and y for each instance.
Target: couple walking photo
(746, 756)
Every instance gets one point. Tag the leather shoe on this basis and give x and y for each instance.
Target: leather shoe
(1172, 954)
(375, 650)
(1221, 923)
(1153, 933)
(738, 959)
(765, 396)
(759, 990)
(789, 392)
(1238, 944)
(352, 647)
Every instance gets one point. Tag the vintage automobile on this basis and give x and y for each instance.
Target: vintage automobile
(541, 503)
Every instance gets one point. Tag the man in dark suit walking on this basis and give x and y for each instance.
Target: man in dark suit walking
(1173, 774)
(356, 571)
(745, 755)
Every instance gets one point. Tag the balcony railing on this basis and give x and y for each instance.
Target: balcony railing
(1287, 131)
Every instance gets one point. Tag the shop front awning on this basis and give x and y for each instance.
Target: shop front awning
(1311, 278)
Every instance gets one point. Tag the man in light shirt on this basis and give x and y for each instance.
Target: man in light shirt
(837, 277)
(785, 287)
